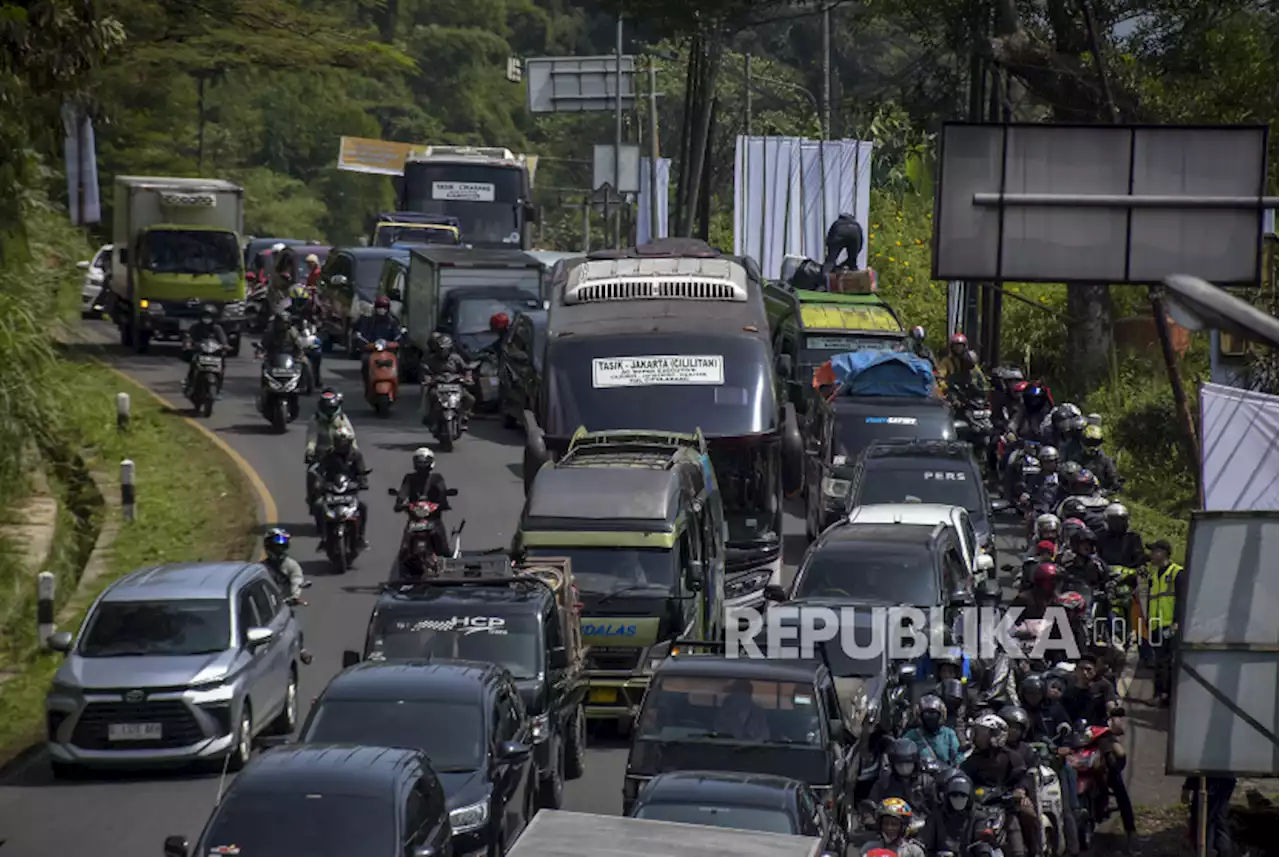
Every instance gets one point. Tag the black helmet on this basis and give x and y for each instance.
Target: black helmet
(1034, 397)
(209, 310)
(1015, 716)
(1072, 507)
(952, 692)
(958, 791)
(276, 542)
(932, 712)
(904, 757)
(1032, 684)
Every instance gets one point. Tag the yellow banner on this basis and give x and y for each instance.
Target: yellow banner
(386, 158)
(833, 317)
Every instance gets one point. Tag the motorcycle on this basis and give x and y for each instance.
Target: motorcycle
(278, 393)
(442, 408)
(1091, 778)
(314, 352)
(206, 370)
(991, 810)
(382, 383)
(416, 558)
(338, 521)
(485, 386)
(1047, 798)
(973, 423)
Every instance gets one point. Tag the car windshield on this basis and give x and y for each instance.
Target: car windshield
(195, 252)
(856, 430)
(368, 271)
(737, 710)
(422, 233)
(186, 627)
(722, 385)
(473, 314)
(319, 825)
(871, 572)
(711, 815)
(450, 733)
(941, 483)
(601, 571)
(511, 641)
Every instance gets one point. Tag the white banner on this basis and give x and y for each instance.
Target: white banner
(464, 191)
(788, 191)
(642, 200)
(657, 370)
(1239, 434)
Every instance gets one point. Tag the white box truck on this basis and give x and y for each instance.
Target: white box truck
(554, 833)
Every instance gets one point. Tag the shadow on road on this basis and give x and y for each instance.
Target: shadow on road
(262, 428)
(793, 547)
(492, 431)
(30, 769)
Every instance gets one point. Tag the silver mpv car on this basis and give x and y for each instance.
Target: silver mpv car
(176, 663)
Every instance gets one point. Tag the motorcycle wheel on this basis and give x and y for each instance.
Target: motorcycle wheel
(447, 434)
(207, 406)
(382, 405)
(338, 553)
(279, 416)
(307, 385)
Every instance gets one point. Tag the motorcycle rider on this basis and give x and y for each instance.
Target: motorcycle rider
(952, 694)
(952, 362)
(1029, 420)
(423, 483)
(915, 342)
(902, 777)
(1094, 700)
(948, 828)
(281, 337)
(326, 422)
(1044, 495)
(284, 570)
(313, 272)
(345, 459)
(1081, 565)
(1068, 428)
(302, 306)
(1048, 528)
(992, 765)
(1019, 741)
(380, 325)
(1040, 597)
(1044, 716)
(893, 817)
(932, 736)
(1098, 461)
(442, 359)
(966, 383)
(206, 328)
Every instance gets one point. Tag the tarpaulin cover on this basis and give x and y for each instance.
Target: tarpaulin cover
(883, 373)
(1240, 431)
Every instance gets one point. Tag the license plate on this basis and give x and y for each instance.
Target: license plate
(211, 362)
(419, 526)
(338, 500)
(134, 732)
(450, 388)
(603, 695)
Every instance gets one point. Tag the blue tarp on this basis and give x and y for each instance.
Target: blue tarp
(883, 373)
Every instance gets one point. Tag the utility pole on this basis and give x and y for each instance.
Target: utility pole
(746, 70)
(200, 110)
(826, 73)
(653, 149)
(617, 139)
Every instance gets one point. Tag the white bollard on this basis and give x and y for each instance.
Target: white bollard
(122, 411)
(127, 496)
(45, 583)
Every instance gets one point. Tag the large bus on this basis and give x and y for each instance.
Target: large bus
(674, 337)
(486, 189)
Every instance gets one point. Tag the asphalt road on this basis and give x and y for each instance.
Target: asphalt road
(127, 815)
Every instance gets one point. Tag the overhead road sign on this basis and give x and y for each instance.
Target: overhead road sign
(1100, 203)
(578, 84)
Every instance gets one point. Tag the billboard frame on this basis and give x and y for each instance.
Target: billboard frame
(1001, 204)
(1225, 649)
(540, 74)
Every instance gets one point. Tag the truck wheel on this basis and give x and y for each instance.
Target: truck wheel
(575, 745)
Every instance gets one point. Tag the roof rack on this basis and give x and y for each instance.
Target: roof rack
(634, 448)
(890, 448)
(657, 278)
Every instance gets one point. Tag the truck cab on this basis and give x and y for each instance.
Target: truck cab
(639, 516)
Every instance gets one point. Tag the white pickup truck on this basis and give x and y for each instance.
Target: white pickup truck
(577, 834)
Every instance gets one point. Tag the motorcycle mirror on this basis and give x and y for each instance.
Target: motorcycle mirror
(1064, 729)
(1118, 711)
(306, 584)
(452, 492)
(391, 492)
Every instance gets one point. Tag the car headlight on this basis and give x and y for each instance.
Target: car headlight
(541, 728)
(211, 693)
(465, 819)
(832, 487)
(747, 584)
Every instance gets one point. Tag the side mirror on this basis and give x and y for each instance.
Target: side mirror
(452, 492)
(558, 658)
(391, 492)
(693, 577)
(1000, 505)
(792, 451)
(59, 642)
(124, 260)
(962, 598)
(989, 589)
(906, 673)
(785, 366)
(176, 846)
(338, 280)
(256, 638)
(774, 592)
(84, 266)
(530, 212)
(1118, 711)
(1064, 730)
(350, 658)
(836, 727)
(513, 751)
(985, 565)
(395, 294)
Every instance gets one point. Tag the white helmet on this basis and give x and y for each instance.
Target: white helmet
(344, 433)
(277, 247)
(998, 728)
(1115, 510)
(1046, 523)
(423, 457)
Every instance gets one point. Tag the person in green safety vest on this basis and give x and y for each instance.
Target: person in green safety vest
(1166, 588)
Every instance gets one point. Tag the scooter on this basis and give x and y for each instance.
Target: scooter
(338, 521)
(1047, 798)
(382, 385)
(206, 370)
(442, 408)
(278, 393)
(1091, 778)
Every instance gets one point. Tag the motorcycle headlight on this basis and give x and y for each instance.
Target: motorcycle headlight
(541, 728)
(747, 583)
(832, 487)
(465, 819)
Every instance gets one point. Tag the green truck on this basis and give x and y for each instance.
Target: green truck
(177, 248)
(639, 515)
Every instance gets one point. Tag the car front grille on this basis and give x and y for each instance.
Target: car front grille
(614, 659)
(178, 726)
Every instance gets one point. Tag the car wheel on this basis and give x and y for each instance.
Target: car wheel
(575, 746)
(551, 789)
(287, 721)
(242, 751)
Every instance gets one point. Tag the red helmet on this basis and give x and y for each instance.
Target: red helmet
(1046, 574)
(499, 321)
(959, 339)
(1019, 386)
(382, 302)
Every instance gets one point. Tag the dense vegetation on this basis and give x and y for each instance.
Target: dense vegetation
(260, 92)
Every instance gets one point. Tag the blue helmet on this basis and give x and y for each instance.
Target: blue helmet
(276, 541)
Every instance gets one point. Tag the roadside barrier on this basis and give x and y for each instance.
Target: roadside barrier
(45, 590)
(123, 407)
(127, 494)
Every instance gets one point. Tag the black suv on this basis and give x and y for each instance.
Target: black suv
(469, 720)
(482, 608)
(329, 800)
(792, 726)
(933, 471)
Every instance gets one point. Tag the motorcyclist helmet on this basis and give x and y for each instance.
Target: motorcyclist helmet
(330, 404)
(1084, 539)
(382, 305)
(1034, 397)
(208, 313)
(1031, 690)
(952, 692)
(1045, 577)
(1072, 602)
(959, 344)
(343, 438)
(949, 663)
(298, 293)
(969, 359)
(276, 543)
(442, 343)
(993, 727)
(277, 247)
(904, 757)
(958, 791)
(933, 711)
(1048, 526)
(1070, 527)
(499, 322)
(893, 813)
(1083, 484)
(1092, 436)
(1048, 454)
(917, 333)
(1016, 717)
(1117, 518)
(1047, 548)
(1069, 471)
(423, 459)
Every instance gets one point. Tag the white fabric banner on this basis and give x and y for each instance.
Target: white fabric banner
(788, 190)
(80, 150)
(1239, 432)
(642, 200)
